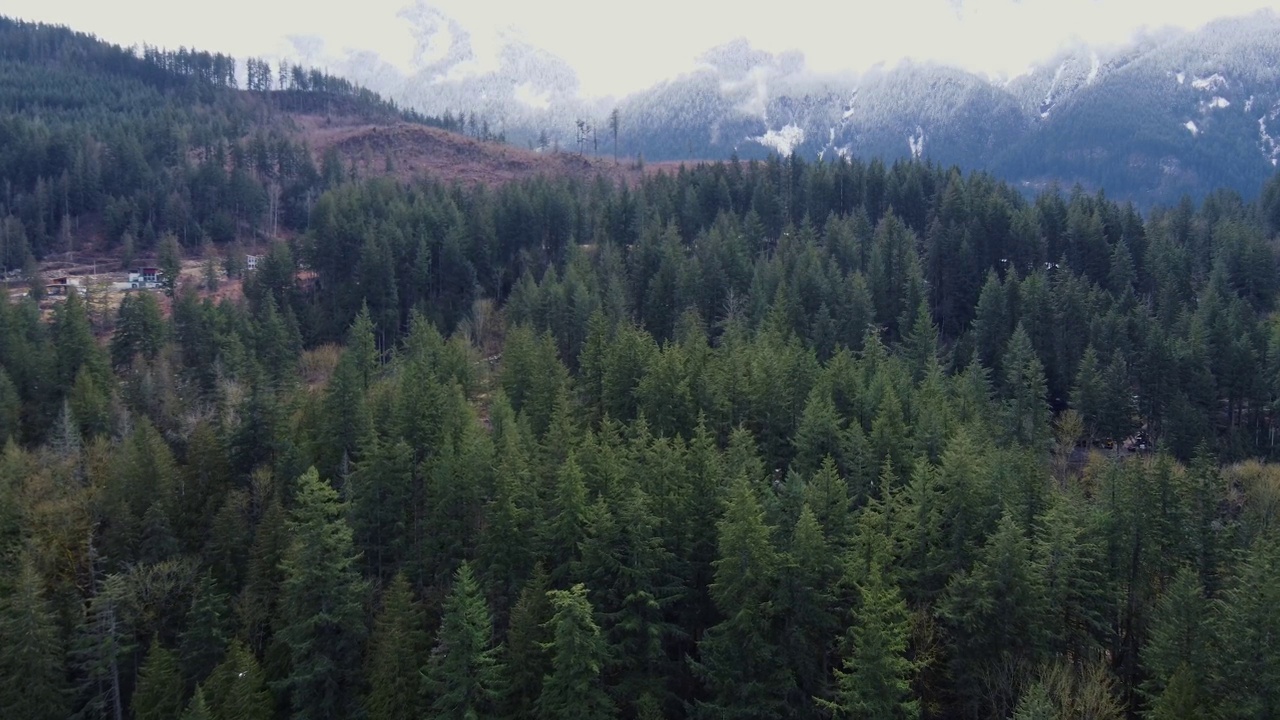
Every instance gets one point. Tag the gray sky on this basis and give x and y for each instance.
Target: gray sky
(620, 47)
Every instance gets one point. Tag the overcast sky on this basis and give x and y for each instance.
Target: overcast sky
(620, 47)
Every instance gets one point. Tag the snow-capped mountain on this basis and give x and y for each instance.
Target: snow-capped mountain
(1173, 112)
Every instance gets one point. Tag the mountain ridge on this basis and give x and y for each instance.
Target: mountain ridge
(1171, 112)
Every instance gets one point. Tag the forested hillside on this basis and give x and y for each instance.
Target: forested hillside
(121, 147)
(750, 440)
(747, 440)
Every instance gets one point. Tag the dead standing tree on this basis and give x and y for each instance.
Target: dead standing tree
(585, 131)
(613, 127)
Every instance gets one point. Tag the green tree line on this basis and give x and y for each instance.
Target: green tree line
(677, 450)
(139, 143)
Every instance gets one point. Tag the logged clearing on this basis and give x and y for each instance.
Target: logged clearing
(408, 151)
(404, 151)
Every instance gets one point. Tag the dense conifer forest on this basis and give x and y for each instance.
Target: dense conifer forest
(747, 440)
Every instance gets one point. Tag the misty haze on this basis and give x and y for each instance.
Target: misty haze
(682, 361)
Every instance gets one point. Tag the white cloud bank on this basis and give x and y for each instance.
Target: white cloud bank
(618, 48)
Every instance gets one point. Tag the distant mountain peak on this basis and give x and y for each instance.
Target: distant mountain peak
(1173, 111)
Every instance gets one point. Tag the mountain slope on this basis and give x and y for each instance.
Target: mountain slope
(1172, 112)
(106, 149)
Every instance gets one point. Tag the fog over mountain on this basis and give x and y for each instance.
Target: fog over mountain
(1147, 100)
(1169, 112)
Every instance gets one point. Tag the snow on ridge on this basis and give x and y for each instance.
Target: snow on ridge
(848, 106)
(1219, 102)
(1248, 104)
(1270, 148)
(1182, 78)
(1213, 82)
(1053, 84)
(1047, 105)
(1191, 125)
(1095, 64)
(916, 143)
(784, 141)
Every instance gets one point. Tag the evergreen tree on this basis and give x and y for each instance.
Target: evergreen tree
(827, 495)
(463, 675)
(140, 329)
(1180, 639)
(1088, 393)
(321, 607)
(574, 687)
(820, 433)
(740, 663)
(10, 408)
(396, 654)
(805, 604)
(204, 643)
(102, 647)
(32, 677)
(363, 348)
(1073, 562)
(995, 612)
(1250, 661)
(527, 658)
(159, 692)
(568, 521)
(992, 323)
(74, 345)
(920, 346)
(381, 504)
(198, 708)
(919, 516)
(1116, 418)
(89, 404)
(348, 425)
(1035, 704)
(1180, 699)
(1026, 405)
(631, 575)
(260, 598)
(170, 260)
(890, 441)
(503, 547)
(237, 688)
(875, 681)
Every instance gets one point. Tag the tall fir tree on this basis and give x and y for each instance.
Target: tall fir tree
(1026, 405)
(203, 644)
(322, 606)
(32, 676)
(463, 676)
(159, 693)
(397, 650)
(574, 689)
(381, 505)
(995, 613)
(526, 653)
(875, 680)
(237, 688)
(739, 661)
(1181, 643)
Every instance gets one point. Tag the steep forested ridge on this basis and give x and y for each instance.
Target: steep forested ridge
(749, 440)
(137, 144)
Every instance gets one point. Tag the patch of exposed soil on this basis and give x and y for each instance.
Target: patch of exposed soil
(407, 151)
